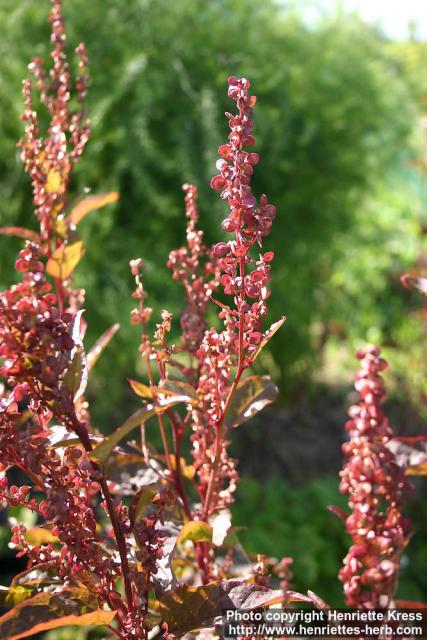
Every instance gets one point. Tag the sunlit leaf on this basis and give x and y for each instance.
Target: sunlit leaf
(12, 596)
(251, 396)
(64, 260)
(169, 388)
(37, 576)
(36, 536)
(141, 500)
(76, 375)
(164, 578)
(21, 232)
(54, 182)
(196, 531)
(91, 203)
(141, 389)
(412, 457)
(102, 451)
(100, 345)
(60, 436)
(267, 336)
(179, 387)
(221, 524)
(189, 608)
(130, 473)
(44, 611)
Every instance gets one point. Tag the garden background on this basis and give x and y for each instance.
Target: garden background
(342, 133)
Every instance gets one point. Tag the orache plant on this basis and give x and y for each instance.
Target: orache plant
(138, 540)
(125, 537)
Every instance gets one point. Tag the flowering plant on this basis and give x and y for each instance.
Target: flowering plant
(138, 540)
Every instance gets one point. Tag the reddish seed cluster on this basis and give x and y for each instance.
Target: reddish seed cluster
(69, 495)
(199, 280)
(248, 222)
(375, 485)
(49, 160)
(236, 168)
(35, 340)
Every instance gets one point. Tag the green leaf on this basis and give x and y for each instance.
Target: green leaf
(102, 451)
(64, 260)
(91, 203)
(268, 335)
(196, 531)
(44, 611)
(251, 396)
(100, 345)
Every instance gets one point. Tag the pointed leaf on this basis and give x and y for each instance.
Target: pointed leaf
(221, 524)
(130, 473)
(141, 389)
(74, 606)
(100, 345)
(64, 260)
(21, 232)
(196, 531)
(179, 387)
(141, 500)
(340, 513)
(102, 451)
(164, 578)
(91, 203)
(76, 376)
(268, 335)
(251, 396)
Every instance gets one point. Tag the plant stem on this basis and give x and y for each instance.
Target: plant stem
(220, 423)
(81, 431)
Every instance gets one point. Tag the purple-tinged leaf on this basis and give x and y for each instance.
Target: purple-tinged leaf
(46, 611)
(189, 608)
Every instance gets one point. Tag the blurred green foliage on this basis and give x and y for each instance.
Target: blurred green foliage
(334, 120)
(295, 522)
